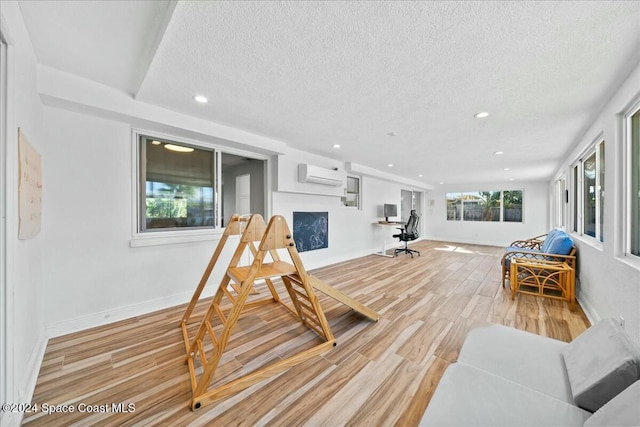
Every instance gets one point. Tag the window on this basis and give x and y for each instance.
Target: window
(352, 192)
(178, 185)
(189, 186)
(454, 206)
(485, 206)
(512, 211)
(588, 185)
(633, 210)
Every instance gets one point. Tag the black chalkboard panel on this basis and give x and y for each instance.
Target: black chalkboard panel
(311, 230)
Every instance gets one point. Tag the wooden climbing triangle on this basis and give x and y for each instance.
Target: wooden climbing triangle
(206, 349)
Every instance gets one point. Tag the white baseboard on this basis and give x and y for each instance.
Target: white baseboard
(588, 309)
(466, 241)
(121, 313)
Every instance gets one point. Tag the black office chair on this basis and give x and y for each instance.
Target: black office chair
(407, 233)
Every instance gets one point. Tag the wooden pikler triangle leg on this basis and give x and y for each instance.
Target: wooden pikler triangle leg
(233, 228)
(207, 348)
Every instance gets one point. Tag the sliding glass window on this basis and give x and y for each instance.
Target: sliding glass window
(589, 195)
(188, 186)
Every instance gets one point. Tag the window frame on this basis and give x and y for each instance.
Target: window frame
(628, 187)
(358, 194)
(597, 147)
(561, 202)
(141, 238)
(460, 214)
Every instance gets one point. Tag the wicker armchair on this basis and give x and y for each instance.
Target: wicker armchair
(554, 247)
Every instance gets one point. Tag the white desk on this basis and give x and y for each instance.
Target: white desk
(387, 226)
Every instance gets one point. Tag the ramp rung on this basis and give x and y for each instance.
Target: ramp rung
(315, 329)
(301, 295)
(212, 334)
(311, 315)
(229, 294)
(295, 279)
(220, 314)
(304, 304)
(203, 357)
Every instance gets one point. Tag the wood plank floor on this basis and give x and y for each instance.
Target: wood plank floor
(379, 374)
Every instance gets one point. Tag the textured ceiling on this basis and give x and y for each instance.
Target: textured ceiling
(314, 74)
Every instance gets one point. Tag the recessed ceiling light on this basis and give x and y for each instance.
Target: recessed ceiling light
(179, 148)
(499, 152)
(390, 165)
(419, 175)
(511, 179)
(441, 182)
(201, 99)
(391, 133)
(336, 145)
(154, 142)
(481, 115)
(507, 169)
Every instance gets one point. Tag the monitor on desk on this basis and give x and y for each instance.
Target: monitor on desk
(390, 210)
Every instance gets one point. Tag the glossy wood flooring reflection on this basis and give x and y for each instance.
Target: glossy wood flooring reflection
(379, 374)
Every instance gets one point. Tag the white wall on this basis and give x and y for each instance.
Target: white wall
(24, 306)
(93, 276)
(286, 172)
(535, 215)
(352, 232)
(609, 281)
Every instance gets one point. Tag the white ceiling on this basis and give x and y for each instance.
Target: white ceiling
(314, 74)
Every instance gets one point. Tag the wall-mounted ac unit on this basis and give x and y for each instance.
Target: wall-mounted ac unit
(318, 175)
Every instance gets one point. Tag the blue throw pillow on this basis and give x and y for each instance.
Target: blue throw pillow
(549, 239)
(561, 244)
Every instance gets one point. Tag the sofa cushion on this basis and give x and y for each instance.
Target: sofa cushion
(522, 357)
(601, 362)
(549, 239)
(468, 396)
(561, 244)
(622, 410)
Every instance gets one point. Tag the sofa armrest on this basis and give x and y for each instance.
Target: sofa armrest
(529, 244)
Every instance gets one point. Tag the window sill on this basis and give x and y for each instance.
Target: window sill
(630, 260)
(589, 241)
(174, 237)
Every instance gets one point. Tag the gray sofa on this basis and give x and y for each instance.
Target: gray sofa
(508, 377)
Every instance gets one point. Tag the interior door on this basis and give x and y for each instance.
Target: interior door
(243, 194)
